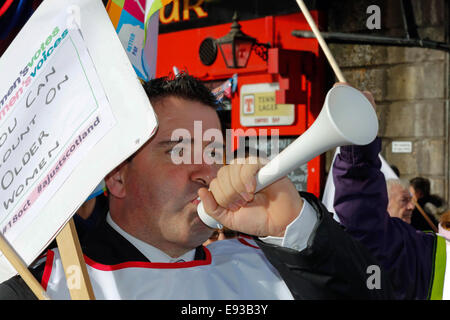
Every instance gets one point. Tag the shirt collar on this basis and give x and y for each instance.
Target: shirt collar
(150, 252)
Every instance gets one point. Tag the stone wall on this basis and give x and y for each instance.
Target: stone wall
(410, 85)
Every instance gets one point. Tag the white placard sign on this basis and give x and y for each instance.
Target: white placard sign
(64, 122)
(59, 115)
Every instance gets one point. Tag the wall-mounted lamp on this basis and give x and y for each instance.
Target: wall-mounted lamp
(235, 47)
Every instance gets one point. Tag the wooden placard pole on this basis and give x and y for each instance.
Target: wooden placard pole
(20, 266)
(72, 259)
(78, 281)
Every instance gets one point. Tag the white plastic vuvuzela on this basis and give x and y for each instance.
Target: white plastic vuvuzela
(347, 118)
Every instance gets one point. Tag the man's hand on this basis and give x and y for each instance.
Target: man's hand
(232, 200)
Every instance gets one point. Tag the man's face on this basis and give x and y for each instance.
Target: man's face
(400, 203)
(160, 201)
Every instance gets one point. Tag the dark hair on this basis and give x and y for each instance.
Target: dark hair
(183, 86)
(421, 184)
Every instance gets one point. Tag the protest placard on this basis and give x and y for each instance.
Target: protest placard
(71, 109)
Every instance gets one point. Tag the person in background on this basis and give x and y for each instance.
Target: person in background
(400, 203)
(444, 225)
(420, 189)
(221, 234)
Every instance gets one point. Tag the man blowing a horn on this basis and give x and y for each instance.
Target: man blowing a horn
(149, 246)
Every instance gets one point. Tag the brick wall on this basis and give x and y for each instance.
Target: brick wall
(410, 85)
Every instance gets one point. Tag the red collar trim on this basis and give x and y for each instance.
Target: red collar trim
(47, 269)
(243, 241)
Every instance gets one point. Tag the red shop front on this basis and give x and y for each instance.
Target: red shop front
(279, 91)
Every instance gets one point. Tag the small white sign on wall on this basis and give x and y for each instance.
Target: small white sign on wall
(401, 146)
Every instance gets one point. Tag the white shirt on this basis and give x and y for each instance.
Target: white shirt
(296, 237)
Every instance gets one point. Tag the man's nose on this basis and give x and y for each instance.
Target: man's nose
(411, 205)
(204, 173)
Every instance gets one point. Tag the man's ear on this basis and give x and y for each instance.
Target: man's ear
(115, 181)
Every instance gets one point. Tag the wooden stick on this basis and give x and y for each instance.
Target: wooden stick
(78, 281)
(322, 42)
(22, 269)
(425, 216)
